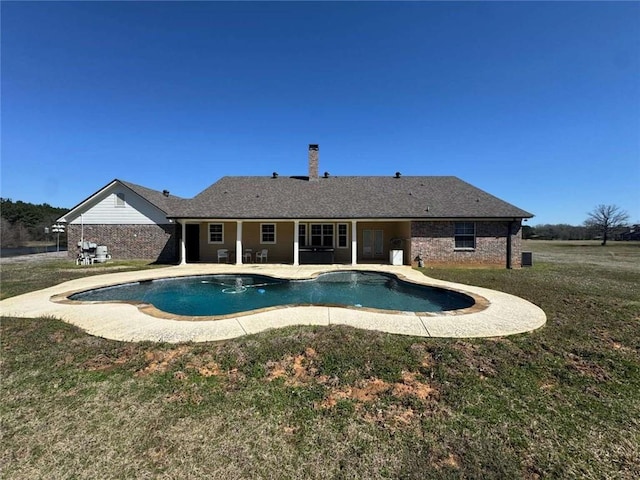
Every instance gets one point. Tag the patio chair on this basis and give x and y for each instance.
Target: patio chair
(262, 255)
(246, 257)
(223, 253)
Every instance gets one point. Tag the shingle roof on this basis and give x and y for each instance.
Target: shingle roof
(166, 203)
(343, 197)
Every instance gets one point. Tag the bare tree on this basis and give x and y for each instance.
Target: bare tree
(605, 219)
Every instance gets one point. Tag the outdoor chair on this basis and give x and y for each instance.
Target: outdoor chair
(262, 255)
(223, 253)
(247, 255)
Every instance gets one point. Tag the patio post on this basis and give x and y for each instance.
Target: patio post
(354, 242)
(296, 243)
(239, 242)
(183, 248)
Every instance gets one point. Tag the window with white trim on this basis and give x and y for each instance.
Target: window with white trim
(120, 200)
(267, 233)
(322, 234)
(216, 233)
(302, 234)
(465, 235)
(343, 235)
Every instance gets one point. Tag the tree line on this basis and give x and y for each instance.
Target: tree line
(23, 222)
(603, 223)
(561, 231)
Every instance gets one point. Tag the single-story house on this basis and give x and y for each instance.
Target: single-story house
(305, 219)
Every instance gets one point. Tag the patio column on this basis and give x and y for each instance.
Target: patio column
(183, 248)
(296, 244)
(354, 242)
(239, 243)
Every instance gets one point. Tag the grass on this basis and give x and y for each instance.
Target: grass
(23, 276)
(335, 402)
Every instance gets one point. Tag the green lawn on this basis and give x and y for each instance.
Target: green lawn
(22, 277)
(317, 402)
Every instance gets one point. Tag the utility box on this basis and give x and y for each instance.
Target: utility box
(101, 254)
(396, 257)
(527, 259)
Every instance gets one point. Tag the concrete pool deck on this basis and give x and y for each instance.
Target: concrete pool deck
(499, 314)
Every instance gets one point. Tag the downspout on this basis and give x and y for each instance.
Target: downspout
(509, 234)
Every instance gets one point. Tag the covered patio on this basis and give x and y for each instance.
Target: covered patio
(295, 242)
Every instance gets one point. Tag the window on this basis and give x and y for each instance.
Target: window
(216, 233)
(267, 233)
(322, 235)
(120, 200)
(465, 235)
(302, 235)
(343, 239)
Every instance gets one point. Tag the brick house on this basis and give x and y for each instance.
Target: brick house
(306, 219)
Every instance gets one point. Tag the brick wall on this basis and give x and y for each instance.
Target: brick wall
(153, 242)
(435, 242)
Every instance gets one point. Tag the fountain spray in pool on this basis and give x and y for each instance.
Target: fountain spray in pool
(238, 288)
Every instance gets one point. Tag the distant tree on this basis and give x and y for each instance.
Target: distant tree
(528, 232)
(605, 219)
(9, 235)
(23, 222)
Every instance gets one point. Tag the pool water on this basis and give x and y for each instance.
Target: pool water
(227, 294)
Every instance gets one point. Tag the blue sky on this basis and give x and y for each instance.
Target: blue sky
(536, 103)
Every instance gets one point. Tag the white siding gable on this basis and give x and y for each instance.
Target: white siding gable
(106, 207)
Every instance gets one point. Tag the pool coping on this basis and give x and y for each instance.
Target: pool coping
(503, 314)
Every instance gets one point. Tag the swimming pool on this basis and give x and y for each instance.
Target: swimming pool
(213, 295)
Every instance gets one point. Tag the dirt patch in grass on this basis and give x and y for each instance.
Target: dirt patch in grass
(107, 361)
(302, 370)
(473, 357)
(159, 361)
(296, 370)
(205, 365)
(588, 368)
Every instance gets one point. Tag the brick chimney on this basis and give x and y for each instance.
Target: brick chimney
(313, 162)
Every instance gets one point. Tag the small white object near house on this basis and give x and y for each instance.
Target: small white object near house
(396, 257)
(101, 254)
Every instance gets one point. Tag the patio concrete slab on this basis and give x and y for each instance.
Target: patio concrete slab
(504, 314)
(285, 317)
(402, 324)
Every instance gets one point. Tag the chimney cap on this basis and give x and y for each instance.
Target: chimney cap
(314, 146)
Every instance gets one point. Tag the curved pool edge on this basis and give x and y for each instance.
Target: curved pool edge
(504, 315)
(479, 303)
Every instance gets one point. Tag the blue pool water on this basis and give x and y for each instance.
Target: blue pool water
(228, 294)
